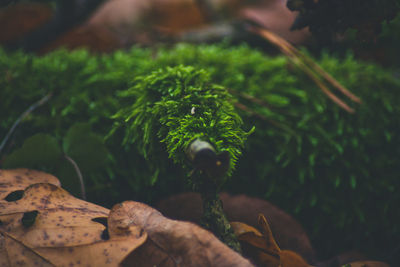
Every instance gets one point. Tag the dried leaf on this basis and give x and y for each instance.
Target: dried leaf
(275, 16)
(172, 243)
(19, 179)
(20, 19)
(263, 248)
(263, 251)
(59, 230)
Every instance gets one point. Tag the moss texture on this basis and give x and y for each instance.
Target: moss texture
(336, 172)
(175, 106)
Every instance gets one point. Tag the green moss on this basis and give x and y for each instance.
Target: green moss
(336, 172)
(174, 106)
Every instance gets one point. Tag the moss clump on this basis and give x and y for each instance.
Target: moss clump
(175, 106)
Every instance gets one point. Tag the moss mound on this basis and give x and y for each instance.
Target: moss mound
(337, 173)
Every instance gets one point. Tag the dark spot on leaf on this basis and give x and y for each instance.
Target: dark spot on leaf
(29, 218)
(45, 235)
(45, 200)
(18, 179)
(103, 221)
(53, 188)
(14, 196)
(105, 235)
(141, 232)
(105, 252)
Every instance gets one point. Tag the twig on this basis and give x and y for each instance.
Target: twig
(79, 174)
(23, 115)
(312, 69)
(250, 98)
(253, 113)
(330, 79)
(264, 118)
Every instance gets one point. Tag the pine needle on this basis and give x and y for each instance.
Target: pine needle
(312, 69)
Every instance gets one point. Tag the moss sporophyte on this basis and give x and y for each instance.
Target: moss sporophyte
(179, 110)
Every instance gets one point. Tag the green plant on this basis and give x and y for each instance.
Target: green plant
(175, 106)
(171, 109)
(336, 172)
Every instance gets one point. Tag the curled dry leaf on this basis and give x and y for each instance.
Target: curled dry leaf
(49, 227)
(170, 242)
(263, 248)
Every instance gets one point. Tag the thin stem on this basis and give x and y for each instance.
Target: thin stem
(79, 174)
(250, 98)
(264, 118)
(23, 115)
(206, 180)
(215, 220)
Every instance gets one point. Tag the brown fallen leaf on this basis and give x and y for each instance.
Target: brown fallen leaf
(20, 19)
(94, 38)
(49, 227)
(254, 245)
(15, 181)
(263, 249)
(288, 233)
(170, 242)
(275, 16)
